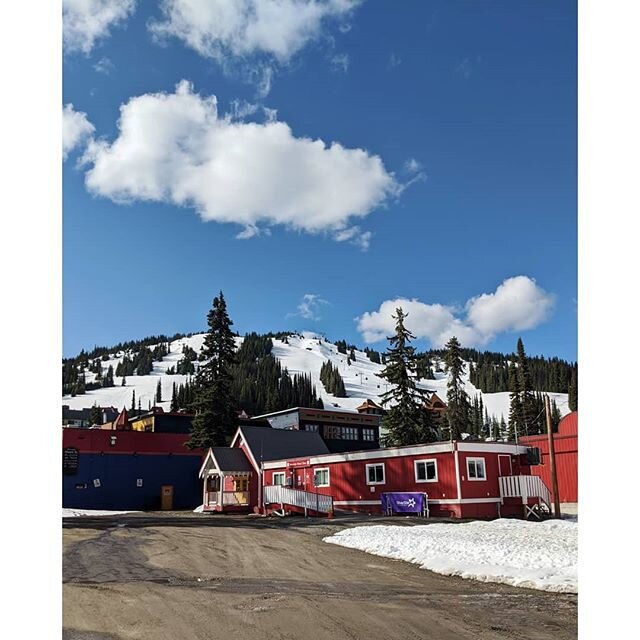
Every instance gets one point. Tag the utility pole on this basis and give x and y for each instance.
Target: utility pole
(552, 460)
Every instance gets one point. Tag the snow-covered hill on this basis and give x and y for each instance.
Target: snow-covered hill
(300, 354)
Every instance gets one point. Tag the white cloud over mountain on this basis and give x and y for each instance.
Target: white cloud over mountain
(517, 304)
(175, 148)
(76, 128)
(84, 22)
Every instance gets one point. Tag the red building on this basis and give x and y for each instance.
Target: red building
(565, 444)
(289, 470)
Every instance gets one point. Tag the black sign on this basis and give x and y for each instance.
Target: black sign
(70, 461)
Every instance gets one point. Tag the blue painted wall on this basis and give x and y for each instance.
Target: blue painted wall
(118, 475)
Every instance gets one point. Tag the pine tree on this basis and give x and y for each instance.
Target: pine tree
(457, 415)
(525, 390)
(573, 390)
(158, 392)
(515, 409)
(174, 398)
(124, 381)
(96, 415)
(133, 400)
(216, 412)
(407, 421)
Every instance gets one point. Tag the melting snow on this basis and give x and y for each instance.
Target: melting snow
(523, 554)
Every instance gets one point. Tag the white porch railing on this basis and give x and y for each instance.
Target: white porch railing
(278, 494)
(229, 498)
(524, 487)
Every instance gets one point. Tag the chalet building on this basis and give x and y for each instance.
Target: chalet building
(340, 430)
(370, 408)
(435, 405)
(232, 476)
(159, 421)
(82, 417)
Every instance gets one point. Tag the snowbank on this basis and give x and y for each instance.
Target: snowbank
(74, 513)
(199, 509)
(523, 554)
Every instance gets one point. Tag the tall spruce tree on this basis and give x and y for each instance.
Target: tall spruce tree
(457, 419)
(515, 410)
(159, 392)
(406, 420)
(133, 401)
(214, 403)
(573, 390)
(525, 390)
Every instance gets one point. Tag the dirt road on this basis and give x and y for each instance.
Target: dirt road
(235, 578)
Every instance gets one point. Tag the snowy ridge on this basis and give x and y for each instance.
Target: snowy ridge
(302, 353)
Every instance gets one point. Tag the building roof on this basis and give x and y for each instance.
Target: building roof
(230, 459)
(122, 419)
(274, 444)
(368, 404)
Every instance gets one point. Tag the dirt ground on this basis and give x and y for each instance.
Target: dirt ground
(210, 576)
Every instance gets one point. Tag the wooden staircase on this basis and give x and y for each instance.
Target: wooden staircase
(534, 493)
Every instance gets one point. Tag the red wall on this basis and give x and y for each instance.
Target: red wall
(98, 440)
(565, 444)
(348, 481)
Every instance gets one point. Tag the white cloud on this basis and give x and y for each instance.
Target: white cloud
(412, 166)
(394, 61)
(354, 235)
(175, 148)
(104, 65)
(340, 62)
(516, 305)
(232, 32)
(86, 21)
(76, 128)
(310, 305)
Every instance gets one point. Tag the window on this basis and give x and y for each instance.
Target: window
(375, 473)
(475, 469)
(312, 427)
(278, 478)
(321, 477)
(349, 433)
(426, 471)
(332, 433)
(369, 435)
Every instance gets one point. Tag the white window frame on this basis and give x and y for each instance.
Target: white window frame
(327, 469)
(375, 464)
(367, 431)
(484, 469)
(425, 460)
(279, 473)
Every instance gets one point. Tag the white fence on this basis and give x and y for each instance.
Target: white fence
(524, 487)
(278, 494)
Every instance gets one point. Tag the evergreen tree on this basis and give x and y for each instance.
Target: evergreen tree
(158, 392)
(573, 390)
(457, 415)
(216, 412)
(525, 390)
(96, 415)
(133, 400)
(515, 410)
(174, 398)
(406, 420)
(124, 381)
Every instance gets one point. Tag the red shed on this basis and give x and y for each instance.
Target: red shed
(565, 443)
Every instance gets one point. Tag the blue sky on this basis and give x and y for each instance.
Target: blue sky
(457, 130)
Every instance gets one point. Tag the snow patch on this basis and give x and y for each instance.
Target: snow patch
(76, 513)
(523, 554)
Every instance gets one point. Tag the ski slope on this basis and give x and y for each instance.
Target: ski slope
(302, 353)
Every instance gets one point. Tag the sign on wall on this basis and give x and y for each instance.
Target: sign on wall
(70, 461)
(291, 464)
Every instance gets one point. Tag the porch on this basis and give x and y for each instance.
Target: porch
(226, 481)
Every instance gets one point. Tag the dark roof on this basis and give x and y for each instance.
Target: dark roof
(276, 444)
(231, 459)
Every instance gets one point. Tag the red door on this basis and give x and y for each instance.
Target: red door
(504, 465)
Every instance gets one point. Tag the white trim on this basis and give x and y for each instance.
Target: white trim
(372, 454)
(206, 459)
(327, 469)
(491, 447)
(366, 473)
(458, 486)
(425, 460)
(484, 469)
(441, 501)
(279, 473)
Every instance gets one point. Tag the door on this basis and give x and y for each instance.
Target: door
(504, 465)
(167, 497)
